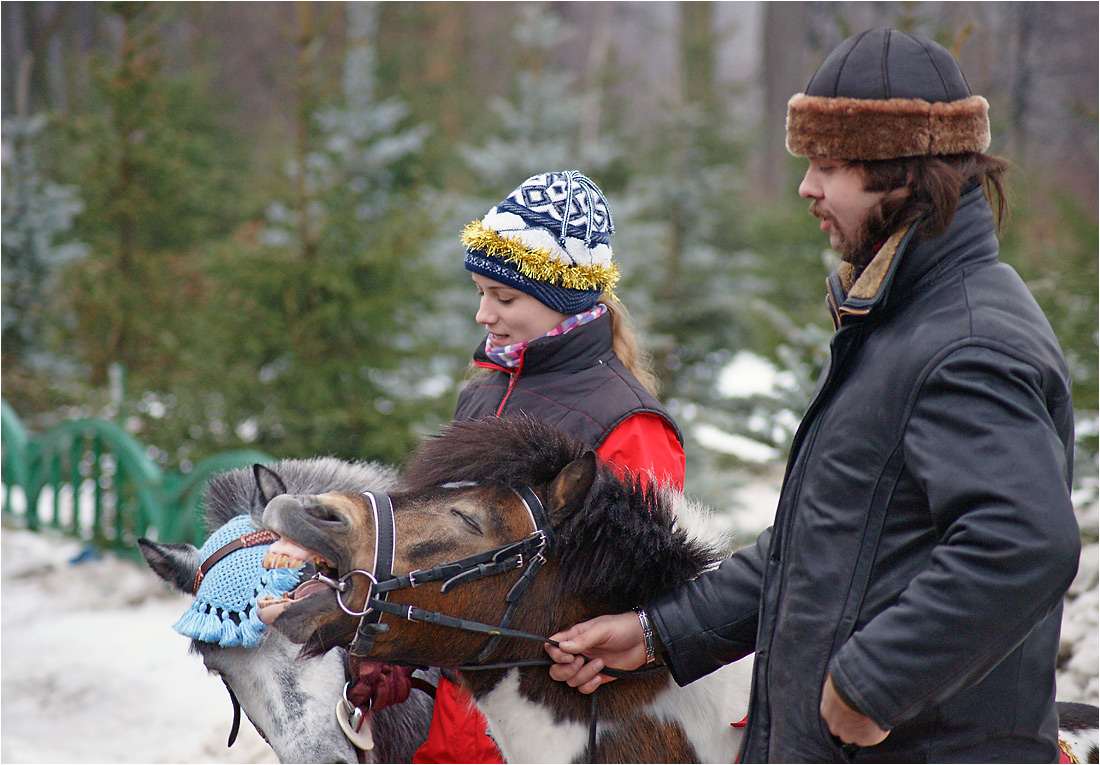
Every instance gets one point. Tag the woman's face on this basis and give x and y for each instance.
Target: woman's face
(512, 316)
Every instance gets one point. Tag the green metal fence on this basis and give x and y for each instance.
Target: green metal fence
(94, 481)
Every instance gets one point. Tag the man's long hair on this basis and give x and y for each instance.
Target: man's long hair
(930, 186)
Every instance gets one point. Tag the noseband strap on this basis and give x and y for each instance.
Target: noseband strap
(251, 539)
(526, 553)
(384, 550)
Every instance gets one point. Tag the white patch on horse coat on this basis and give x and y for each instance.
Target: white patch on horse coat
(526, 731)
(698, 522)
(1081, 744)
(706, 708)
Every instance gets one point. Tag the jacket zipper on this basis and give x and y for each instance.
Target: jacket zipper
(511, 384)
(513, 374)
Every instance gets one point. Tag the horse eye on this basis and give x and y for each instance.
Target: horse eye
(473, 524)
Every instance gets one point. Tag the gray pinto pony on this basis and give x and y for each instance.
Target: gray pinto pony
(295, 704)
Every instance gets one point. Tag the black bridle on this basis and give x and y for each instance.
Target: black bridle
(526, 553)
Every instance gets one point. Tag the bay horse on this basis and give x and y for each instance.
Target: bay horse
(479, 509)
(292, 703)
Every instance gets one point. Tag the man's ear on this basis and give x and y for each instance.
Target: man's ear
(268, 482)
(569, 489)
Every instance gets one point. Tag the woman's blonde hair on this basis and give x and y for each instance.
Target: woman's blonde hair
(624, 341)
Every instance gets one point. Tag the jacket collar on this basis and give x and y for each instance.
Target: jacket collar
(579, 348)
(905, 261)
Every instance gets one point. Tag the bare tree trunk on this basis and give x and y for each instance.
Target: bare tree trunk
(785, 71)
(303, 114)
(119, 345)
(598, 52)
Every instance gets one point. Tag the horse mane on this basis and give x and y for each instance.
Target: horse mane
(235, 491)
(622, 548)
(513, 451)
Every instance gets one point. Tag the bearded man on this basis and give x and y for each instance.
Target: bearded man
(905, 606)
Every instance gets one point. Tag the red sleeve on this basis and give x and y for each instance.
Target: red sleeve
(458, 732)
(644, 443)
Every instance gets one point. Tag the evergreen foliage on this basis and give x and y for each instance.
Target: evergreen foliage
(37, 240)
(327, 304)
(296, 286)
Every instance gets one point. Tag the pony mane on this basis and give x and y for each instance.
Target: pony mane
(625, 546)
(620, 549)
(234, 492)
(510, 451)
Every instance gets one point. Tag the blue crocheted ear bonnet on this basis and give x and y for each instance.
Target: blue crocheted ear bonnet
(224, 610)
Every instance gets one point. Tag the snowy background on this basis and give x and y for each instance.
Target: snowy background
(93, 672)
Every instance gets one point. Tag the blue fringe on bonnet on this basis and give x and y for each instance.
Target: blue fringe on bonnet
(225, 610)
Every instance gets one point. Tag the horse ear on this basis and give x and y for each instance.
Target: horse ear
(175, 564)
(569, 489)
(268, 482)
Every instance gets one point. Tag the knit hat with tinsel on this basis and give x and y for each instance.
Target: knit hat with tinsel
(224, 610)
(884, 94)
(550, 238)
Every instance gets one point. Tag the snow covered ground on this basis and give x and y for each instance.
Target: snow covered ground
(92, 670)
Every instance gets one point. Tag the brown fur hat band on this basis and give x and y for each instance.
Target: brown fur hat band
(883, 94)
(854, 128)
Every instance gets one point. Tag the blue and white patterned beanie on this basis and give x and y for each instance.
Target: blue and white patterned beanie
(224, 610)
(551, 239)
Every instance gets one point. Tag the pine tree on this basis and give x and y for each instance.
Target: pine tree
(332, 357)
(37, 240)
(539, 128)
(156, 173)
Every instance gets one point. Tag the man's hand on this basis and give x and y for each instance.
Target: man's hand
(615, 640)
(845, 723)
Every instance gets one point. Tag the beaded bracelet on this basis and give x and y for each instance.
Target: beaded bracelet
(647, 634)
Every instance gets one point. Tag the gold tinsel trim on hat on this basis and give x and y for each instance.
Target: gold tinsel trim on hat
(539, 264)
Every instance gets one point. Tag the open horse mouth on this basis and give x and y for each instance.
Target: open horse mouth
(287, 554)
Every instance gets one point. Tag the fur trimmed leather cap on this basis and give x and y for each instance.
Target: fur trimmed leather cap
(883, 94)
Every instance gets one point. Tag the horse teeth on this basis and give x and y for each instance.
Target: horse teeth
(281, 560)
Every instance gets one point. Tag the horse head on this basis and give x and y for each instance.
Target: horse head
(290, 702)
(447, 538)
(460, 496)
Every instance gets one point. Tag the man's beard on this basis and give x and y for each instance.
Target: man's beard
(859, 247)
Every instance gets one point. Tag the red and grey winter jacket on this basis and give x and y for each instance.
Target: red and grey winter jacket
(575, 382)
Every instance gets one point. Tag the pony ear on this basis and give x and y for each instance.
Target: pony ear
(175, 564)
(569, 489)
(268, 482)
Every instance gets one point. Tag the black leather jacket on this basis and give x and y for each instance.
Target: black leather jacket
(924, 536)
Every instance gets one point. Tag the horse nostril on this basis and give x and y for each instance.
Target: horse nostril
(325, 513)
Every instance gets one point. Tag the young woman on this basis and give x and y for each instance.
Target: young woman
(561, 348)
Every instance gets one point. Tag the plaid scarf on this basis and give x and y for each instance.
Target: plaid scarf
(509, 356)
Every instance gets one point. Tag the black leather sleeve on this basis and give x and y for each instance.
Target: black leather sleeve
(712, 620)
